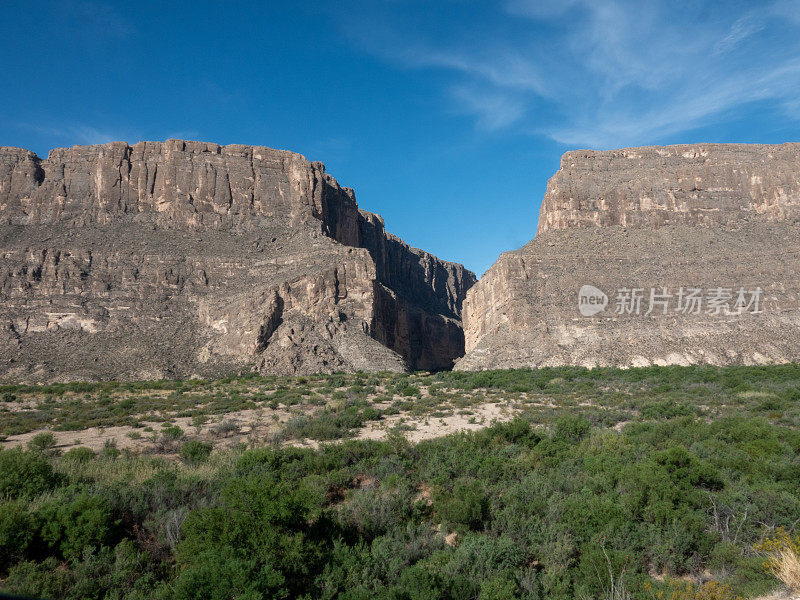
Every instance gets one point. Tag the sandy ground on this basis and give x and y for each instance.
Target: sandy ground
(428, 427)
(258, 426)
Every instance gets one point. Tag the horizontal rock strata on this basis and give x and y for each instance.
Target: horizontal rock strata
(719, 222)
(181, 259)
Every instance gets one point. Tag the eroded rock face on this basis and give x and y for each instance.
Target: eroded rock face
(705, 184)
(653, 224)
(182, 258)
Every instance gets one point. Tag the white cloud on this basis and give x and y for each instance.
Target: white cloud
(89, 135)
(503, 68)
(78, 133)
(742, 29)
(492, 110)
(616, 72)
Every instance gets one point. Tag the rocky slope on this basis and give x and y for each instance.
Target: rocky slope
(181, 258)
(692, 254)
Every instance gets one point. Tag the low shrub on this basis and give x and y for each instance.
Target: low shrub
(25, 474)
(571, 428)
(17, 532)
(72, 524)
(43, 442)
(225, 428)
(409, 390)
(466, 505)
(110, 449)
(81, 455)
(782, 552)
(195, 451)
(172, 433)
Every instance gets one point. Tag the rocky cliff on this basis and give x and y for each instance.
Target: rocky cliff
(180, 258)
(720, 185)
(660, 255)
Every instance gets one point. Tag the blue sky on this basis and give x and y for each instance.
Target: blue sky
(446, 117)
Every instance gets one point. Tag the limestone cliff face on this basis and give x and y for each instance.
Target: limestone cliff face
(186, 258)
(647, 227)
(174, 185)
(704, 184)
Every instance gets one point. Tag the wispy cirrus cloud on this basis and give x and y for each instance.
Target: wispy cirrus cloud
(78, 133)
(492, 110)
(503, 68)
(610, 73)
(741, 29)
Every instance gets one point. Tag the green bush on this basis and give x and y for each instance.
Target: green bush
(499, 587)
(517, 431)
(465, 505)
(686, 470)
(222, 574)
(80, 455)
(195, 451)
(110, 449)
(270, 521)
(25, 474)
(43, 442)
(172, 433)
(327, 424)
(17, 532)
(418, 583)
(72, 524)
(46, 579)
(103, 574)
(666, 410)
(571, 428)
(409, 390)
(371, 414)
(376, 511)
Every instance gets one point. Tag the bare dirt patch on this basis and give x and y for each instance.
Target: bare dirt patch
(263, 425)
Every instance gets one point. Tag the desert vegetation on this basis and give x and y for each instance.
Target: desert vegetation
(673, 482)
